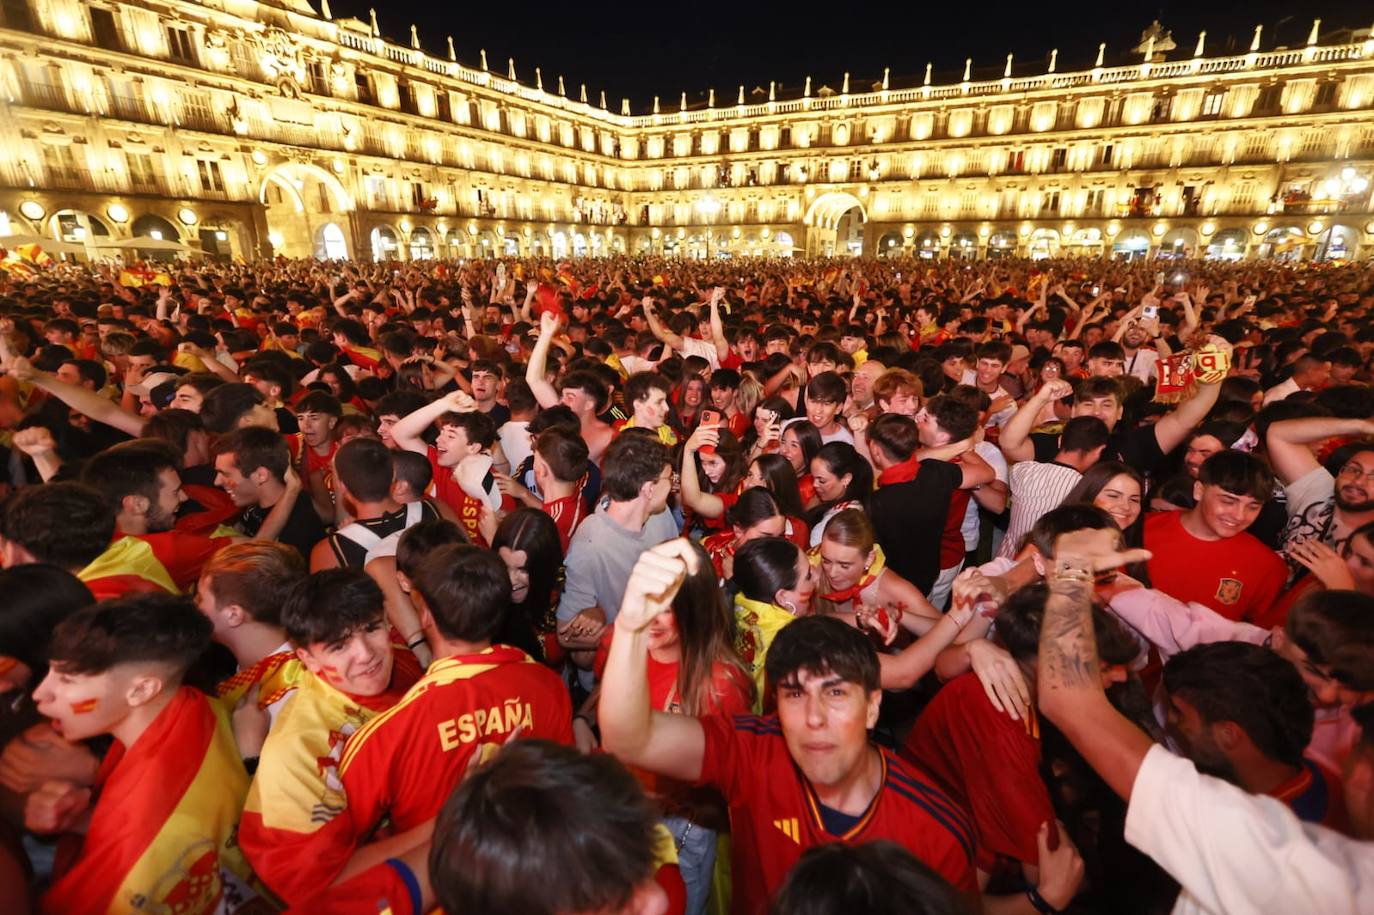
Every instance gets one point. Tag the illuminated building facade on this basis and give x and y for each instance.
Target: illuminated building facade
(245, 128)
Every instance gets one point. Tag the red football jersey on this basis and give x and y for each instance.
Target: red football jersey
(989, 764)
(406, 761)
(567, 513)
(775, 815)
(446, 489)
(1238, 577)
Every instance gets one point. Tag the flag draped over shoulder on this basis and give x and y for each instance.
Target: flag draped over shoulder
(128, 566)
(162, 833)
(291, 830)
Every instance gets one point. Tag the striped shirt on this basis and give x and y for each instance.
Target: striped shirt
(1036, 488)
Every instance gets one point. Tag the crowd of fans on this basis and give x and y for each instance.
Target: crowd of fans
(642, 586)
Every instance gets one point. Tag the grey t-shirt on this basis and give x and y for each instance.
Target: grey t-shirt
(598, 565)
(600, 558)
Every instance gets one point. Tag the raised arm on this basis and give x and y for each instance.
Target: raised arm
(1015, 438)
(1175, 426)
(671, 745)
(94, 405)
(658, 329)
(410, 429)
(544, 392)
(706, 504)
(1069, 676)
(717, 328)
(1288, 442)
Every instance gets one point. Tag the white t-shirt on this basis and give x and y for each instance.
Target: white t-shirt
(841, 433)
(1143, 364)
(691, 346)
(1236, 853)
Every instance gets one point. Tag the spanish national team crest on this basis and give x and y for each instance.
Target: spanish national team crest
(1228, 590)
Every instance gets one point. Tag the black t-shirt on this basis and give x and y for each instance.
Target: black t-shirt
(909, 521)
(303, 527)
(1136, 447)
(500, 414)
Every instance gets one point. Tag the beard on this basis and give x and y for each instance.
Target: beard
(1354, 507)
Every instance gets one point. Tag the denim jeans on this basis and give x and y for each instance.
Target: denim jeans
(696, 858)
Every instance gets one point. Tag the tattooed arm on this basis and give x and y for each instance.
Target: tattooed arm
(1069, 684)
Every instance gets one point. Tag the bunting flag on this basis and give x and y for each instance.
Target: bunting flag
(291, 830)
(128, 566)
(162, 834)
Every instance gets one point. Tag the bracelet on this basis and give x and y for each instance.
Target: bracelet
(418, 640)
(1039, 902)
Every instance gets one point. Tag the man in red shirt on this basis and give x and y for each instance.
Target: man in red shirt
(292, 831)
(402, 765)
(989, 762)
(1205, 555)
(805, 777)
(1242, 713)
(140, 482)
(317, 413)
(465, 433)
(560, 467)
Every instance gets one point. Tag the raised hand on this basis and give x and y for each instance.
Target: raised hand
(654, 582)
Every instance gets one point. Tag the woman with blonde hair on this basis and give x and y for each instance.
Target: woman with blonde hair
(857, 587)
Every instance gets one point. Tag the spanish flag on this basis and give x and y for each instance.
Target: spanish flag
(291, 830)
(128, 566)
(162, 832)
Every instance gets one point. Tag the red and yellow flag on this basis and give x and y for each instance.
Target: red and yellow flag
(291, 830)
(162, 834)
(129, 566)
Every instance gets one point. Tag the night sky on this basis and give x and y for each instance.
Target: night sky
(644, 49)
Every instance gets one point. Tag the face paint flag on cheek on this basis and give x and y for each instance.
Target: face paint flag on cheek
(85, 706)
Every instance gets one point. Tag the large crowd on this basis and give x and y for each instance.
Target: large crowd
(644, 586)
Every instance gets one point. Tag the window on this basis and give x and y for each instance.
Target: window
(1326, 93)
(417, 194)
(319, 77)
(1268, 98)
(59, 163)
(17, 15)
(856, 170)
(210, 177)
(1058, 158)
(1051, 204)
(364, 86)
(1092, 206)
(141, 175)
(376, 190)
(179, 45)
(195, 109)
(1107, 154)
(1211, 105)
(104, 30)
